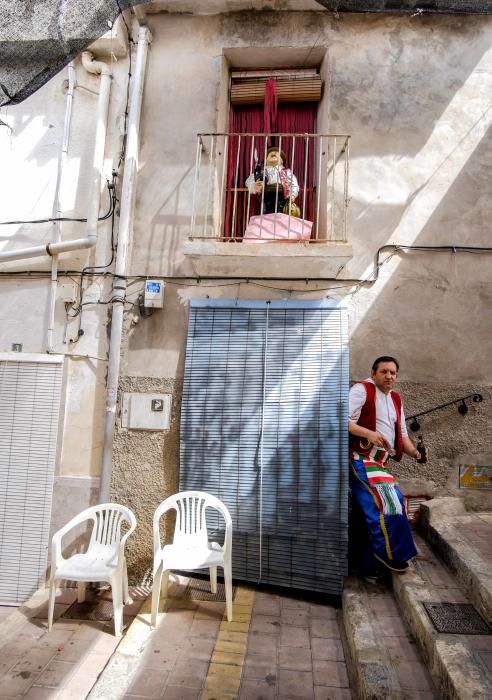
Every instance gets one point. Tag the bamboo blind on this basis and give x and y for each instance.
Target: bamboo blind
(293, 89)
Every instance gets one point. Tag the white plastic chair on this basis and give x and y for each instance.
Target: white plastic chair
(191, 549)
(104, 559)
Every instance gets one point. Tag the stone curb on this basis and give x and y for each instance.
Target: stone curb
(371, 678)
(455, 670)
(472, 572)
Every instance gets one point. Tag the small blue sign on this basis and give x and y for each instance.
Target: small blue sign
(153, 287)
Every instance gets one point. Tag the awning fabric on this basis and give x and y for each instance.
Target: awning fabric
(39, 37)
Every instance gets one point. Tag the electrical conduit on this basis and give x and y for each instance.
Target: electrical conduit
(56, 212)
(127, 206)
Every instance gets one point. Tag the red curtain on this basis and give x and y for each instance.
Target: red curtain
(298, 118)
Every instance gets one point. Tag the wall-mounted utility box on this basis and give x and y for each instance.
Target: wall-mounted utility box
(67, 292)
(154, 294)
(146, 411)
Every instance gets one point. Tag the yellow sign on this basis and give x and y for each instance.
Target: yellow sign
(473, 476)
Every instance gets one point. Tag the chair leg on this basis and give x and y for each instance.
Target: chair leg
(126, 596)
(51, 605)
(81, 591)
(165, 583)
(228, 589)
(117, 595)
(213, 579)
(156, 594)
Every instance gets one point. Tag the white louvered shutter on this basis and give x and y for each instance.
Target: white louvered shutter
(30, 392)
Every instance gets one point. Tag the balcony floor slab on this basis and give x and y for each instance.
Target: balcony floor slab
(268, 259)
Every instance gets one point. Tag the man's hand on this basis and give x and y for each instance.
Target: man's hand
(258, 187)
(410, 449)
(292, 198)
(378, 440)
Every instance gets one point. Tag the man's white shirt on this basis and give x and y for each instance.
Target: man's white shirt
(385, 411)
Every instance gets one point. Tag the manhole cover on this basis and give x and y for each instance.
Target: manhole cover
(199, 589)
(456, 618)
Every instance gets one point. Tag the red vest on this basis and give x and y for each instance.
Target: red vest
(367, 420)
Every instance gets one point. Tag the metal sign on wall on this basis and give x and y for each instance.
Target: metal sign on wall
(264, 428)
(474, 476)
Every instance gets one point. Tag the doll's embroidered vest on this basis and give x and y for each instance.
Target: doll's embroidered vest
(367, 420)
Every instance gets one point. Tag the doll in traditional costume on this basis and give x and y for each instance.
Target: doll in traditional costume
(280, 183)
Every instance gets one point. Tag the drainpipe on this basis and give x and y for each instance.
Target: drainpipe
(127, 206)
(98, 68)
(56, 237)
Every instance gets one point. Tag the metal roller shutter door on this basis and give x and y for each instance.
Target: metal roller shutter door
(263, 427)
(29, 407)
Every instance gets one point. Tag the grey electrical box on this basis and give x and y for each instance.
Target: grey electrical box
(146, 411)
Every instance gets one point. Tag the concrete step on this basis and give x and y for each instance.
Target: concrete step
(464, 542)
(460, 664)
(383, 661)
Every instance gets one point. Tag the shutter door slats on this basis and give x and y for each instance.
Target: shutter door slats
(29, 407)
(304, 494)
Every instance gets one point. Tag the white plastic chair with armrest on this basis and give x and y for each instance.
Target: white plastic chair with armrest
(104, 559)
(190, 548)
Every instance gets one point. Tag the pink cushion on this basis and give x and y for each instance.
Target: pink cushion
(277, 227)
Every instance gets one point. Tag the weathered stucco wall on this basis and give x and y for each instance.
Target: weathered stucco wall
(146, 470)
(450, 437)
(414, 94)
(30, 153)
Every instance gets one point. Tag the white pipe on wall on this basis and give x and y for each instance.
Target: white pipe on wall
(57, 206)
(127, 206)
(98, 68)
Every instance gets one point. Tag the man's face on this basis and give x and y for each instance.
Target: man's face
(273, 158)
(385, 376)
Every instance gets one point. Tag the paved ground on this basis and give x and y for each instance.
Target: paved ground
(65, 663)
(278, 646)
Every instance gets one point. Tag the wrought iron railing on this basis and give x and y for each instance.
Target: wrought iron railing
(462, 408)
(223, 205)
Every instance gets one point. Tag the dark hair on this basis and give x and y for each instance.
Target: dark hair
(384, 358)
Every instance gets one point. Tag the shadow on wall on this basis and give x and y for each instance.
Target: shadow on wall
(419, 108)
(411, 70)
(169, 226)
(429, 309)
(34, 146)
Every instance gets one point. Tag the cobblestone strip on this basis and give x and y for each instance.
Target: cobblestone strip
(225, 670)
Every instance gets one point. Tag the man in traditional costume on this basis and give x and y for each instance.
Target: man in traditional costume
(377, 432)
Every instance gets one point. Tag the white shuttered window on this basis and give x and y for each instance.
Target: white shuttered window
(30, 390)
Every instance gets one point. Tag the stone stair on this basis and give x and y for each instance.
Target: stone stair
(393, 649)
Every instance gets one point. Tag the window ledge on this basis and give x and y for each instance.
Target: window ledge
(274, 259)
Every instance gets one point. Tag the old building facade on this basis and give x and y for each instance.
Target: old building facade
(405, 248)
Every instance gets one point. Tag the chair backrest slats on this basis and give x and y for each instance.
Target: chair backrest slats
(107, 524)
(191, 517)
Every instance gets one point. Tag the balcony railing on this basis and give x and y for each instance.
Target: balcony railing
(224, 207)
